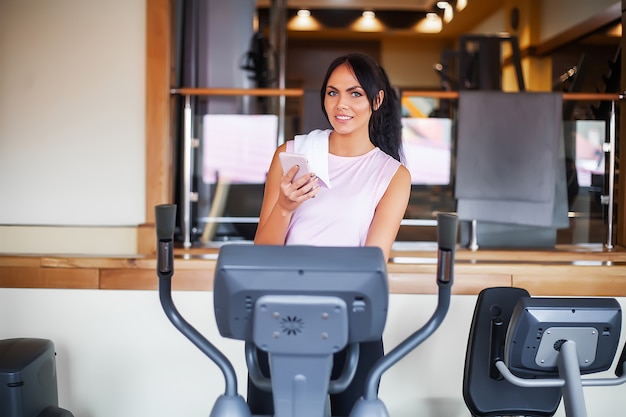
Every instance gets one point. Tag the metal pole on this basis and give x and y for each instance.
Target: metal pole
(569, 370)
(281, 70)
(279, 38)
(186, 203)
(611, 196)
(473, 240)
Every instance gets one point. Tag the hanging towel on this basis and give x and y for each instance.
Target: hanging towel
(510, 165)
(315, 147)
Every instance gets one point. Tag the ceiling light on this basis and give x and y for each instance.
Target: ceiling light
(430, 24)
(442, 4)
(368, 23)
(303, 21)
(448, 14)
(368, 14)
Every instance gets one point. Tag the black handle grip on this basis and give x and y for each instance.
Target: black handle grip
(447, 225)
(165, 219)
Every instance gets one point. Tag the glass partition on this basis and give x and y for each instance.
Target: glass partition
(587, 184)
(236, 151)
(233, 153)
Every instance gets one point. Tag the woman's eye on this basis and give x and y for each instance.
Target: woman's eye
(356, 94)
(332, 93)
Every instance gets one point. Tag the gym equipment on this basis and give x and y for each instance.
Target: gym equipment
(480, 66)
(28, 384)
(479, 63)
(526, 353)
(288, 302)
(301, 304)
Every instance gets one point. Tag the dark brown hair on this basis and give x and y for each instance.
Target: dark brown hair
(385, 126)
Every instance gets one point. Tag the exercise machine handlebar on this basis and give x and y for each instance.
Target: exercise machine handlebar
(447, 225)
(165, 217)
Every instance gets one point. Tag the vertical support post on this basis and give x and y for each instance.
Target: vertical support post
(611, 174)
(569, 370)
(282, 62)
(187, 172)
(279, 37)
(473, 240)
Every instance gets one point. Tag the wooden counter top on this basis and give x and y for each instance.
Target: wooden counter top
(568, 271)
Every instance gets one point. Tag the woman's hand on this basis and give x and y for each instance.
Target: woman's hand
(281, 197)
(292, 194)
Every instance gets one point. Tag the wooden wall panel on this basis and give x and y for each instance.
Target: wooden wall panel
(539, 277)
(573, 281)
(21, 277)
(159, 159)
(84, 278)
(128, 279)
(37, 277)
(463, 284)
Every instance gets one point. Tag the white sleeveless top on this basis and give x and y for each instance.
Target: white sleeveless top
(341, 215)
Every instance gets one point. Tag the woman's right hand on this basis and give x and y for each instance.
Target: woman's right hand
(292, 194)
(281, 197)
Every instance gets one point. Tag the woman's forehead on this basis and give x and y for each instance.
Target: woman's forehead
(343, 75)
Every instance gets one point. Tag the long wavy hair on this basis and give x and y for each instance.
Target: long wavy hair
(385, 126)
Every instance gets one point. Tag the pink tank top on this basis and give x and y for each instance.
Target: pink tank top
(342, 215)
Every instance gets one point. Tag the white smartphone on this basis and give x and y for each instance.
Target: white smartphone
(289, 159)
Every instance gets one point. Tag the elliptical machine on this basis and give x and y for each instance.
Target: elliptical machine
(525, 354)
(301, 304)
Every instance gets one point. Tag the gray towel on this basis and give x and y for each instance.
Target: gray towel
(510, 159)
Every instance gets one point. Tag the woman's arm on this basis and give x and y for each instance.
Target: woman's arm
(390, 211)
(280, 198)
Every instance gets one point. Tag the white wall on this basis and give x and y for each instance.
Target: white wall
(72, 112)
(65, 240)
(118, 355)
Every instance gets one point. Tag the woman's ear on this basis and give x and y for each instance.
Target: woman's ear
(379, 99)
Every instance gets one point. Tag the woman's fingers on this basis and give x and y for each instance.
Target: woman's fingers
(301, 189)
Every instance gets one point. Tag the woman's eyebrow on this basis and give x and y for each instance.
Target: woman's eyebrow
(355, 87)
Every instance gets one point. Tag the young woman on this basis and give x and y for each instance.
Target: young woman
(356, 196)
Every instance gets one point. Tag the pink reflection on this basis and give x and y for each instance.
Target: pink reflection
(238, 148)
(427, 149)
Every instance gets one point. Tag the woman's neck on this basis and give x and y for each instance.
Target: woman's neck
(349, 145)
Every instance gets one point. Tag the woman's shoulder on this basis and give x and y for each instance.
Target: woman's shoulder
(384, 156)
(402, 174)
(397, 171)
(315, 142)
(313, 135)
(316, 134)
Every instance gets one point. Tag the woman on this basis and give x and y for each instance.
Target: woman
(357, 195)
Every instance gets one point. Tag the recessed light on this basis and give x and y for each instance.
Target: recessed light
(304, 13)
(368, 14)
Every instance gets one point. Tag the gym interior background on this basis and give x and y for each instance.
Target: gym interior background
(86, 153)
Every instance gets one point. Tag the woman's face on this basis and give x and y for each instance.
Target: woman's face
(346, 104)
